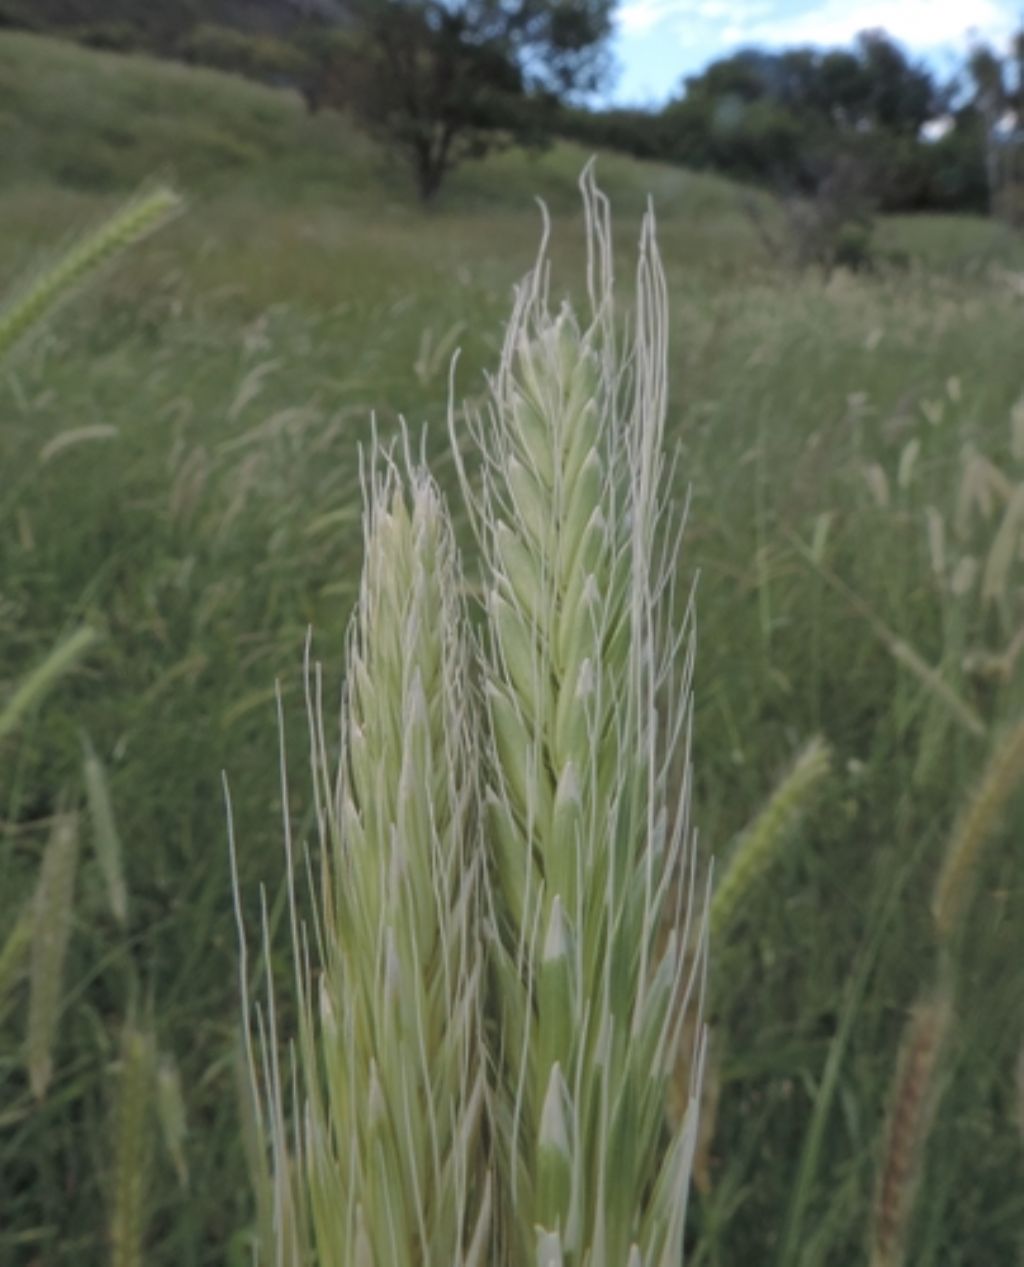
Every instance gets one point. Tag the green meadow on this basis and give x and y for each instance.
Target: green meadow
(180, 453)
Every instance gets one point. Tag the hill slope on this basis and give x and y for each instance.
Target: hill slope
(98, 121)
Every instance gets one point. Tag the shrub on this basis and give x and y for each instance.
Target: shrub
(260, 57)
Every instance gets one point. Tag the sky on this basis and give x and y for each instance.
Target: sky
(658, 42)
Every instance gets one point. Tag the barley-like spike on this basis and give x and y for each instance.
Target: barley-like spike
(389, 1150)
(104, 831)
(911, 1109)
(51, 930)
(132, 1147)
(759, 844)
(133, 221)
(1000, 779)
(579, 656)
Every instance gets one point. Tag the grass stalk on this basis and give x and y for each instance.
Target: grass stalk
(900, 650)
(802, 1185)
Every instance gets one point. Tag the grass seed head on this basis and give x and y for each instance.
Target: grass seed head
(51, 931)
(912, 1106)
(132, 1147)
(759, 845)
(390, 1145)
(586, 829)
(143, 214)
(999, 780)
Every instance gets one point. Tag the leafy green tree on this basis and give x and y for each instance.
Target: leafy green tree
(792, 118)
(996, 110)
(441, 81)
(900, 97)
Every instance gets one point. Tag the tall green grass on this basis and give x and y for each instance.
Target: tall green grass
(208, 514)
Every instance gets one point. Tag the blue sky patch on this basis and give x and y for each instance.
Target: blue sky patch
(658, 42)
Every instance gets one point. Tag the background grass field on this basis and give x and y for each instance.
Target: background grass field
(180, 461)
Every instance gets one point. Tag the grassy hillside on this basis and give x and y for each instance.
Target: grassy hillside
(96, 121)
(180, 460)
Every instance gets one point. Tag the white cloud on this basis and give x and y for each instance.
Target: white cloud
(637, 16)
(661, 41)
(917, 23)
(714, 9)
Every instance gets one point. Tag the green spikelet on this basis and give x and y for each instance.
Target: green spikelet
(1000, 779)
(586, 834)
(51, 930)
(758, 846)
(132, 1147)
(125, 227)
(390, 1153)
(64, 656)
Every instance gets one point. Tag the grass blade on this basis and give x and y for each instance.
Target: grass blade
(104, 832)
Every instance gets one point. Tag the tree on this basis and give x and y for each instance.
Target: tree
(990, 102)
(801, 120)
(441, 81)
(901, 97)
(996, 106)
